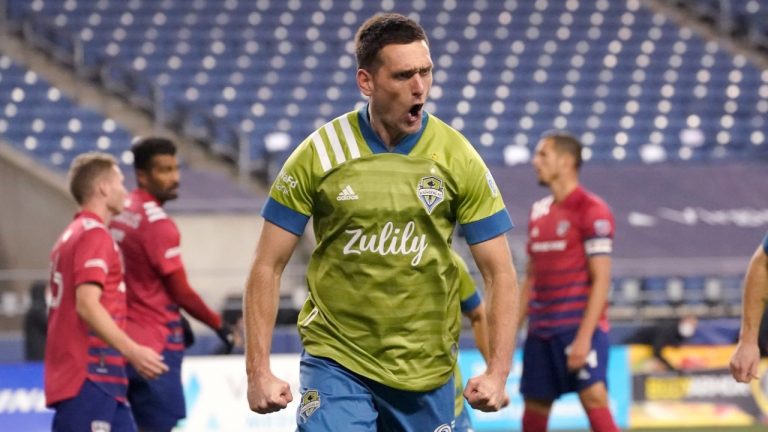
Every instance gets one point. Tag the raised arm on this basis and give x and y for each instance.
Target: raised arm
(494, 260)
(266, 393)
(746, 358)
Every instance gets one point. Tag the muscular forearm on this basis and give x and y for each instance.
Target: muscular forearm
(260, 302)
(600, 277)
(502, 297)
(755, 296)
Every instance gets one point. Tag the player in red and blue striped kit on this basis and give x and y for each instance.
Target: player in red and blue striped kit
(569, 244)
(86, 348)
(745, 360)
(157, 284)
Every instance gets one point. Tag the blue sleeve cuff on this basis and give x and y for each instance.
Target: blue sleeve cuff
(765, 244)
(472, 302)
(488, 228)
(284, 217)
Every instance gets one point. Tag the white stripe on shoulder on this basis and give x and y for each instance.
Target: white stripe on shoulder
(335, 145)
(349, 137)
(172, 252)
(96, 262)
(322, 153)
(89, 224)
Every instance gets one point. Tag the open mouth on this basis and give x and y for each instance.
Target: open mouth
(414, 112)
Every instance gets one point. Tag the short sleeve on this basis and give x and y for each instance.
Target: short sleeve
(92, 257)
(765, 244)
(291, 198)
(162, 243)
(481, 211)
(598, 229)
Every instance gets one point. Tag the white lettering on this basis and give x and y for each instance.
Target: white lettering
(548, 246)
(390, 241)
(22, 400)
(740, 217)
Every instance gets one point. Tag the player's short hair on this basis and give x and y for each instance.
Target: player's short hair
(144, 149)
(85, 170)
(382, 30)
(565, 142)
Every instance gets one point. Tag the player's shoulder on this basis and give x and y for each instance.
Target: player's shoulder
(444, 133)
(591, 202)
(329, 146)
(541, 206)
(91, 231)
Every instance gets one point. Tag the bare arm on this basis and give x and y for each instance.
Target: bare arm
(525, 293)
(266, 393)
(479, 320)
(493, 258)
(88, 305)
(600, 277)
(747, 355)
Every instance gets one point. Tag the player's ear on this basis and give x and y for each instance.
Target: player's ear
(141, 178)
(364, 82)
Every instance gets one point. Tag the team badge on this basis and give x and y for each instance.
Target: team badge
(602, 227)
(100, 426)
(444, 428)
(310, 402)
(430, 192)
(562, 227)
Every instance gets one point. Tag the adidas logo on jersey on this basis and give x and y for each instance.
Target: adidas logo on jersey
(346, 194)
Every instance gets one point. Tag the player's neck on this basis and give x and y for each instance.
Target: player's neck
(99, 210)
(379, 128)
(562, 188)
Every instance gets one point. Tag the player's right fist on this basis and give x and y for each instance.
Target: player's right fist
(267, 393)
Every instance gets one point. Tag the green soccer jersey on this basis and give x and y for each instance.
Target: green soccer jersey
(382, 297)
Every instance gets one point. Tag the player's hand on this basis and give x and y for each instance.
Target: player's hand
(146, 361)
(267, 393)
(744, 362)
(577, 353)
(486, 393)
(227, 338)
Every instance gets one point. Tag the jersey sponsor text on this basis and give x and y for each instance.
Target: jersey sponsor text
(388, 242)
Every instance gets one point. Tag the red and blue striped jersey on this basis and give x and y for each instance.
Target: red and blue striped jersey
(561, 238)
(150, 242)
(84, 253)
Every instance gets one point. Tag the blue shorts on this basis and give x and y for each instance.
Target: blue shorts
(158, 404)
(92, 409)
(463, 424)
(334, 398)
(545, 366)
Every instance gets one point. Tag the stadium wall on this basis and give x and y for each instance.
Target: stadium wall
(35, 208)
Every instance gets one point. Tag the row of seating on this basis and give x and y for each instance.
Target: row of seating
(37, 118)
(628, 81)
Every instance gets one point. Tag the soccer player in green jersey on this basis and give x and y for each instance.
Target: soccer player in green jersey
(384, 186)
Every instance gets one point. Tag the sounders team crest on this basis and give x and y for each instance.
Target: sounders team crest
(310, 402)
(430, 192)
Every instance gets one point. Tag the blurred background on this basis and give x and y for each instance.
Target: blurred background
(670, 98)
